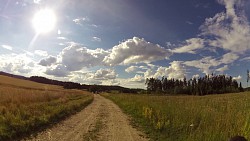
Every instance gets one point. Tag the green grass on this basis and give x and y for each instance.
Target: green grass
(25, 109)
(188, 118)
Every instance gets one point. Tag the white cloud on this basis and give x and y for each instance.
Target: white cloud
(151, 65)
(137, 78)
(101, 76)
(61, 38)
(20, 64)
(229, 58)
(222, 69)
(7, 47)
(57, 71)
(230, 29)
(96, 39)
(48, 61)
(237, 78)
(176, 70)
(75, 57)
(15, 63)
(131, 69)
(113, 82)
(41, 53)
(206, 63)
(83, 77)
(149, 73)
(80, 21)
(245, 59)
(130, 84)
(134, 51)
(190, 46)
(104, 74)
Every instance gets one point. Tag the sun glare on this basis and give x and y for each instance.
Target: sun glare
(44, 21)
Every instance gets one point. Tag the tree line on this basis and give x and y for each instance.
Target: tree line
(91, 88)
(209, 84)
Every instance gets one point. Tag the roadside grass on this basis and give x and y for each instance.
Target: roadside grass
(188, 118)
(24, 109)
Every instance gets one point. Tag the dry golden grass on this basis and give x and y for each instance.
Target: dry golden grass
(26, 106)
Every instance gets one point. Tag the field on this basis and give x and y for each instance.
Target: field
(189, 118)
(27, 106)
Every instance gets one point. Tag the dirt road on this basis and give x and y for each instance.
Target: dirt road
(100, 121)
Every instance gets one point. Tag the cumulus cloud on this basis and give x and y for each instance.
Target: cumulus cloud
(136, 50)
(83, 77)
(96, 39)
(104, 74)
(48, 61)
(101, 76)
(230, 29)
(206, 63)
(176, 70)
(75, 57)
(190, 46)
(57, 71)
(17, 64)
(112, 82)
(137, 78)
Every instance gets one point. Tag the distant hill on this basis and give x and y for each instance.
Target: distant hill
(15, 76)
(73, 85)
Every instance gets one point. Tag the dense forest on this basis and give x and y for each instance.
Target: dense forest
(209, 84)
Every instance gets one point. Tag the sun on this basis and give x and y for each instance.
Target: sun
(44, 21)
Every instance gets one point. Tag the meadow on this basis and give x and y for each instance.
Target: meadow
(26, 106)
(188, 118)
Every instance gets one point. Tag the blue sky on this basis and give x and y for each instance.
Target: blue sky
(123, 42)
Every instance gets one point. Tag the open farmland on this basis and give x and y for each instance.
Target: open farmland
(26, 106)
(189, 118)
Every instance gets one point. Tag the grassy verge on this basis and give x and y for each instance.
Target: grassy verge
(23, 111)
(189, 118)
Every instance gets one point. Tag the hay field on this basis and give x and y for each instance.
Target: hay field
(26, 106)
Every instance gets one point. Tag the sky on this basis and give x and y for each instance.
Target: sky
(123, 42)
